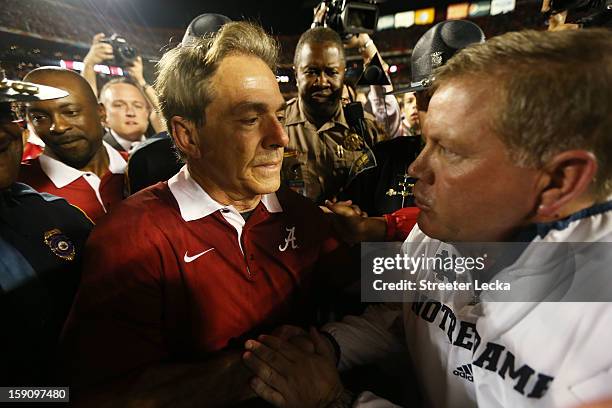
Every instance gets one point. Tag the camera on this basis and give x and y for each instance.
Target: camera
(124, 53)
(587, 13)
(351, 17)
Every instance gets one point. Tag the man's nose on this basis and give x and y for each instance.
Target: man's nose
(322, 79)
(421, 168)
(59, 125)
(276, 136)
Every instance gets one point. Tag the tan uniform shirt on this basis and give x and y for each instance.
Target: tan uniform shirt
(315, 163)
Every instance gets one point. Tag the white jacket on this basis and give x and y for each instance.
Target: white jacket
(510, 354)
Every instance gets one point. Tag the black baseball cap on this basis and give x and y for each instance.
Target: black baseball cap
(437, 46)
(203, 25)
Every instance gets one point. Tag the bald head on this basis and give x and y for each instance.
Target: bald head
(56, 76)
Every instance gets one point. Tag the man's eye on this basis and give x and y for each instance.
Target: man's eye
(250, 121)
(446, 152)
(71, 113)
(281, 118)
(38, 118)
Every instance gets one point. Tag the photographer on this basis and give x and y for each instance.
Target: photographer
(101, 51)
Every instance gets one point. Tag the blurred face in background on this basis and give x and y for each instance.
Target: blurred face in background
(127, 111)
(410, 109)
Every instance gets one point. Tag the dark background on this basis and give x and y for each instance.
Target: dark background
(278, 17)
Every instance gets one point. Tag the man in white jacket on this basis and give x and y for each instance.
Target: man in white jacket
(517, 151)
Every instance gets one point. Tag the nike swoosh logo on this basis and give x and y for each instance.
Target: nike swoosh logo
(189, 259)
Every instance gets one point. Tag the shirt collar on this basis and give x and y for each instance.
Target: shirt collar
(33, 139)
(195, 203)
(61, 174)
(126, 144)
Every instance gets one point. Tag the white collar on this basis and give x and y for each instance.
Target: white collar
(34, 139)
(61, 174)
(195, 203)
(127, 145)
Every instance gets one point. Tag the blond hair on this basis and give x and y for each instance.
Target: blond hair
(555, 93)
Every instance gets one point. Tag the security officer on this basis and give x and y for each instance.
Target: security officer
(41, 240)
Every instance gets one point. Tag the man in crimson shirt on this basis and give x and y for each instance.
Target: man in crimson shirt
(76, 164)
(183, 270)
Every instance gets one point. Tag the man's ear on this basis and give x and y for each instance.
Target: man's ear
(102, 114)
(568, 176)
(185, 135)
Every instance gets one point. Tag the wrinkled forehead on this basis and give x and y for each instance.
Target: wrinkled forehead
(242, 78)
(122, 91)
(321, 54)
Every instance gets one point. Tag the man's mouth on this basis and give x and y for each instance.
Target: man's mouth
(322, 94)
(420, 201)
(269, 165)
(67, 141)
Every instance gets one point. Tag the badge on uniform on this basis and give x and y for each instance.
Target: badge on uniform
(60, 244)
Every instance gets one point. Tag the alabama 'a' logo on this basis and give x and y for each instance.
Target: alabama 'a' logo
(290, 240)
(60, 244)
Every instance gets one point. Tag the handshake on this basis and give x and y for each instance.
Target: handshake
(294, 368)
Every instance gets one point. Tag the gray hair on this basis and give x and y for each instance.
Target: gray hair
(184, 73)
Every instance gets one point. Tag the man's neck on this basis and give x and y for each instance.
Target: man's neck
(127, 138)
(99, 163)
(238, 201)
(318, 116)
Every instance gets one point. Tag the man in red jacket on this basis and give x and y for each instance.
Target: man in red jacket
(182, 271)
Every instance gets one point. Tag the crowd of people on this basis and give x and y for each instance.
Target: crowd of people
(192, 241)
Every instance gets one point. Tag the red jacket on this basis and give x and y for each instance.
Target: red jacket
(172, 274)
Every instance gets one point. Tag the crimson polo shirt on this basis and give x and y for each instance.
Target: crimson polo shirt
(85, 190)
(171, 274)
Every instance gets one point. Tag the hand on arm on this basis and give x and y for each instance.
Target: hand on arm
(354, 225)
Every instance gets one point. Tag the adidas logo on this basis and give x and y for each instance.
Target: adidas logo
(464, 371)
